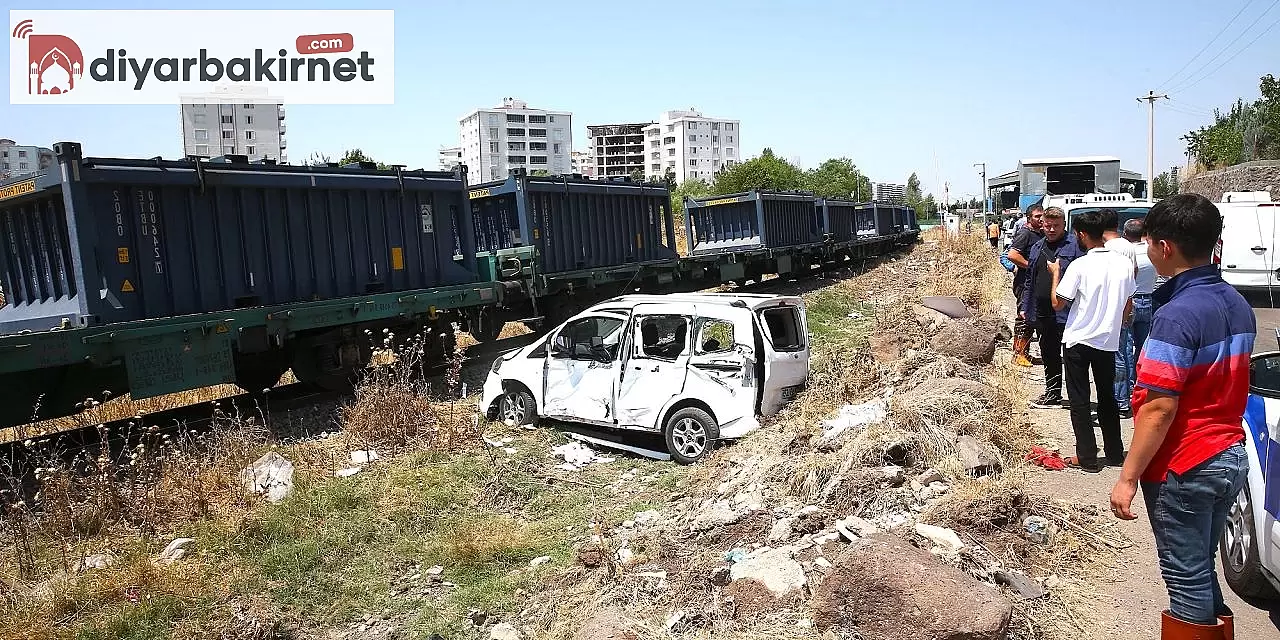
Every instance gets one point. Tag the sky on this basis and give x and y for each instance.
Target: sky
(898, 87)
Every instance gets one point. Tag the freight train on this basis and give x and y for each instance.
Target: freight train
(157, 276)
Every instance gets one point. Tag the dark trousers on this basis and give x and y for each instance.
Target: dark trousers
(1080, 360)
(1051, 353)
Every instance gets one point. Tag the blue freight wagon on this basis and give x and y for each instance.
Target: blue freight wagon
(154, 276)
(751, 221)
(845, 220)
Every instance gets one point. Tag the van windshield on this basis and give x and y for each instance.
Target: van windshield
(783, 324)
(1125, 213)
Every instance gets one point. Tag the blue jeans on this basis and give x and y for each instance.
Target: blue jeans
(1142, 312)
(1126, 365)
(1187, 515)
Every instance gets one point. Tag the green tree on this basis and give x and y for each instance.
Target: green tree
(1164, 186)
(696, 188)
(765, 172)
(356, 155)
(539, 172)
(838, 178)
(1247, 131)
(913, 196)
(637, 176)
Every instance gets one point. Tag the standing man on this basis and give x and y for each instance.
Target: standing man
(993, 234)
(1019, 251)
(1124, 354)
(1139, 324)
(1097, 288)
(1037, 301)
(1193, 382)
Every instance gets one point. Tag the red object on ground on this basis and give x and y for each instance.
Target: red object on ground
(1046, 458)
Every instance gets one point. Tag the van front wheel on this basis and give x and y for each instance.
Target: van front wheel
(690, 434)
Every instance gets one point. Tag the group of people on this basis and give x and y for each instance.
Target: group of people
(1142, 311)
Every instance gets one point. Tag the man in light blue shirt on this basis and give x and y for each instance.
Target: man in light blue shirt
(1135, 335)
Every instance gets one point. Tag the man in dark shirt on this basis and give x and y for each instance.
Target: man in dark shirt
(1036, 307)
(1019, 252)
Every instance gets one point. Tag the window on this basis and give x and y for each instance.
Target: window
(22, 165)
(6, 154)
(493, 132)
(515, 146)
(656, 167)
(22, 154)
(556, 148)
(493, 147)
(655, 145)
(515, 159)
(228, 135)
(494, 120)
(692, 150)
(671, 152)
(693, 163)
(655, 155)
(784, 328)
(538, 133)
(202, 149)
(202, 134)
(511, 117)
(693, 138)
(715, 139)
(248, 119)
(248, 150)
(537, 159)
(671, 164)
(250, 135)
(714, 336)
(227, 149)
(6, 165)
(670, 128)
(537, 146)
(589, 338)
(691, 125)
(493, 173)
(248, 106)
(728, 126)
(537, 119)
(197, 118)
(553, 118)
(669, 140)
(663, 337)
(728, 151)
(515, 132)
(715, 126)
(228, 120)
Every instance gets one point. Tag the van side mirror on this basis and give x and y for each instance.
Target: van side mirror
(1264, 375)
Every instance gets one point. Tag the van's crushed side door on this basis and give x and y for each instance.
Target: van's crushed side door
(786, 353)
(657, 356)
(722, 366)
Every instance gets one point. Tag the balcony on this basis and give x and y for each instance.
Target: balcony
(280, 111)
(282, 128)
(283, 143)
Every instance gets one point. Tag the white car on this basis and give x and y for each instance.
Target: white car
(1250, 545)
(695, 368)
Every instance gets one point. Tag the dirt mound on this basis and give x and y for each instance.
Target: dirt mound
(972, 340)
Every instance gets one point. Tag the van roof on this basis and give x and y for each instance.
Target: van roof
(750, 300)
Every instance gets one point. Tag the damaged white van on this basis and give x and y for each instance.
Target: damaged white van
(695, 368)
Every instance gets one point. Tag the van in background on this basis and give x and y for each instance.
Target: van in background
(1247, 249)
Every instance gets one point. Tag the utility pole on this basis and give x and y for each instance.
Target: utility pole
(982, 193)
(1150, 99)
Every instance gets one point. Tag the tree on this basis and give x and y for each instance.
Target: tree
(1248, 131)
(1164, 186)
(913, 195)
(317, 159)
(637, 176)
(838, 178)
(539, 172)
(765, 172)
(696, 188)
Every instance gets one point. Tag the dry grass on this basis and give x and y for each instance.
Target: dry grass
(116, 409)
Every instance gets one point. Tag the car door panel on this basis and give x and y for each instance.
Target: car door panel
(786, 354)
(655, 370)
(722, 366)
(582, 388)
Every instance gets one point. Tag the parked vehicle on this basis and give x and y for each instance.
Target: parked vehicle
(696, 368)
(1250, 545)
(1247, 248)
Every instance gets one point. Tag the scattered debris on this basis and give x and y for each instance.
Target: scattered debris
(945, 538)
(98, 561)
(735, 555)
(646, 518)
(774, 568)
(577, 455)
(720, 576)
(970, 340)
(1019, 582)
(859, 527)
(478, 617)
(1046, 458)
(949, 306)
(625, 556)
(539, 561)
(894, 476)
(716, 514)
(974, 457)
(363, 457)
(504, 631)
(175, 550)
(434, 571)
(271, 474)
(853, 416)
(1037, 529)
(606, 624)
(930, 476)
(781, 530)
(822, 562)
(347, 473)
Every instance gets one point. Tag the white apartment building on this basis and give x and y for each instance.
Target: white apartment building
(450, 157)
(618, 149)
(582, 164)
(690, 145)
(889, 192)
(234, 120)
(19, 160)
(514, 136)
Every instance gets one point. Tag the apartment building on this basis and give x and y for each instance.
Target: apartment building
(582, 164)
(450, 157)
(19, 160)
(690, 145)
(889, 192)
(618, 149)
(234, 121)
(515, 136)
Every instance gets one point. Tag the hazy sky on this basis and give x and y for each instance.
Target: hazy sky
(896, 86)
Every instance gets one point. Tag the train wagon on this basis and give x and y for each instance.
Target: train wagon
(845, 221)
(752, 220)
(154, 276)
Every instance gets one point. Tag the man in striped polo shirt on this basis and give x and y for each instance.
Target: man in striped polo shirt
(1192, 385)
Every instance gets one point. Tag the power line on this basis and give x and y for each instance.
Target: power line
(1233, 56)
(1182, 84)
(1207, 44)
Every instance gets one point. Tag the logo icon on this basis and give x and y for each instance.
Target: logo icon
(55, 61)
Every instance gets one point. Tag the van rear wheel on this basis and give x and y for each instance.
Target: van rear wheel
(690, 434)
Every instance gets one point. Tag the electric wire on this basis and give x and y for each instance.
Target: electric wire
(1182, 85)
(1207, 44)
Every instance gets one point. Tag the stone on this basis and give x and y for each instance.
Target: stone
(605, 624)
(175, 550)
(1249, 176)
(646, 518)
(859, 527)
(717, 514)
(974, 457)
(889, 590)
(1020, 582)
(886, 348)
(945, 538)
(929, 319)
(539, 561)
(1037, 529)
(504, 631)
(435, 571)
(363, 457)
(720, 576)
(781, 530)
(271, 474)
(98, 561)
(624, 555)
(972, 340)
(894, 475)
(775, 569)
(930, 476)
(591, 555)
(477, 617)
(822, 562)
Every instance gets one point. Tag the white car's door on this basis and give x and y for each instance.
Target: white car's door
(722, 366)
(581, 369)
(786, 354)
(657, 356)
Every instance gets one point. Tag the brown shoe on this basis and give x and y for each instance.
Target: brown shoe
(1172, 628)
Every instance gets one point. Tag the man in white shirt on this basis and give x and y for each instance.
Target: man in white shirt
(1125, 358)
(1140, 320)
(1098, 287)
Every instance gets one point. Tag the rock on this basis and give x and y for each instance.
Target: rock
(940, 536)
(646, 518)
(175, 550)
(889, 590)
(974, 456)
(775, 569)
(504, 631)
(781, 530)
(606, 624)
(886, 348)
(717, 514)
(968, 339)
(929, 319)
(894, 475)
(859, 527)
(98, 561)
(930, 476)
(624, 555)
(1019, 582)
(1037, 529)
(720, 576)
(591, 555)
(822, 562)
(845, 532)
(851, 417)
(347, 473)
(363, 457)
(934, 490)
(824, 539)
(477, 617)
(435, 571)
(809, 510)
(539, 561)
(271, 474)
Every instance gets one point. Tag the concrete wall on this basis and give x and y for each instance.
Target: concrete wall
(1263, 175)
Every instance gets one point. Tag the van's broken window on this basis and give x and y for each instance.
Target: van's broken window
(663, 337)
(715, 336)
(783, 324)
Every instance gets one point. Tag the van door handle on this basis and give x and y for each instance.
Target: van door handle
(1258, 250)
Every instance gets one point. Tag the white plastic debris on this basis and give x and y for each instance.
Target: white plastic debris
(175, 550)
(539, 561)
(363, 457)
(853, 416)
(940, 536)
(347, 473)
(271, 474)
(577, 455)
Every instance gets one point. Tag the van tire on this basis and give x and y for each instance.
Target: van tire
(1238, 546)
(516, 405)
(690, 434)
